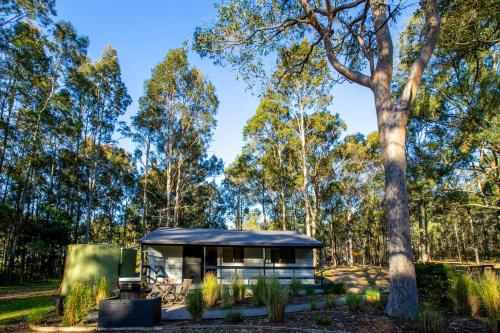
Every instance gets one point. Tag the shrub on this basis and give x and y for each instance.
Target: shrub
(309, 290)
(101, 290)
(430, 321)
(259, 291)
(488, 289)
(329, 301)
(78, 303)
(234, 317)
(295, 286)
(210, 290)
(463, 295)
(433, 283)
(337, 288)
(239, 289)
(314, 304)
(374, 297)
(323, 320)
(194, 305)
(276, 298)
(37, 316)
(354, 302)
(225, 297)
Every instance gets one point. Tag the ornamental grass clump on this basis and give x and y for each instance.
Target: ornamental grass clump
(430, 321)
(323, 320)
(226, 301)
(234, 317)
(329, 301)
(259, 291)
(295, 286)
(314, 303)
(239, 289)
(276, 298)
(194, 305)
(463, 295)
(78, 304)
(373, 296)
(101, 290)
(488, 289)
(354, 302)
(210, 290)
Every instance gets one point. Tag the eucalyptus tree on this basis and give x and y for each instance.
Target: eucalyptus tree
(352, 36)
(107, 100)
(175, 123)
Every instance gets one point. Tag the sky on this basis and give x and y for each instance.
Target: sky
(142, 32)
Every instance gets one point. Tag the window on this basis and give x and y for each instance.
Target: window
(282, 255)
(233, 255)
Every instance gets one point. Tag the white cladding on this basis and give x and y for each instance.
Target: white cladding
(170, 257)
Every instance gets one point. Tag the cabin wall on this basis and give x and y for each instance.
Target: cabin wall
(168, 256)
(171, 258)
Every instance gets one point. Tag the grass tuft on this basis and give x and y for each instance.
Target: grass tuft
(295, 286)
(210, 290)
(239, 289)
(323, 320)
(329, 301)
(234, 317)
(78, 304)
(194, 305)
(430, 321)
(354, 302)
(259, 291)
(101, 290)
(226, 301)
(276, 298)
(37, 316)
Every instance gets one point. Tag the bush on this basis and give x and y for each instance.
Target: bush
(329, 301)
(323, 320)
(434, 283)
(78, 303)
(462, 294)
(309, 291)
(194, 305)
(239, 289)
(314, 304)
(37, 316)
(101, 290)
(226, 301)
(295, 286)
(276, 298)
(374, 297)
(234, 317)
(354, 302)
(488, 289)
(210, 290)
(259, 291)
(430, 321)
(337, 288)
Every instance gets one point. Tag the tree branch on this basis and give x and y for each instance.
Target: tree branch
(432, 21)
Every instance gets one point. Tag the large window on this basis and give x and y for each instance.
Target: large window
(233, 255)
(281, 255)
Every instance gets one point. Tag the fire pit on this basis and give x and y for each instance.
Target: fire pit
(128, 309)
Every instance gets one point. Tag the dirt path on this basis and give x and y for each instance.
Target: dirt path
(359, 277)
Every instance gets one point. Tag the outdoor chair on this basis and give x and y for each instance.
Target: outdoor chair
(180, 297)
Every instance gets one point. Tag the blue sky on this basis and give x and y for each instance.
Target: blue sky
(143, 31)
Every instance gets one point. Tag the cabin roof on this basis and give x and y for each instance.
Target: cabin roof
(224, 237)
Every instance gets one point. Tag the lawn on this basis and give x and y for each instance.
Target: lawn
(16, 302)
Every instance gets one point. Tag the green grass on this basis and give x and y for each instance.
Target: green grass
(42, 286)
(15, 310)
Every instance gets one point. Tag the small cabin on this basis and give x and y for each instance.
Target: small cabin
(183, 253)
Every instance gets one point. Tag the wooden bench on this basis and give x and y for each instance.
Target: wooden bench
(480, 268)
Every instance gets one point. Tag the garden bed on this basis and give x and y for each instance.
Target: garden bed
(368, 320)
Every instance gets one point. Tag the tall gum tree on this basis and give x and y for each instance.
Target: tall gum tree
(355, 36)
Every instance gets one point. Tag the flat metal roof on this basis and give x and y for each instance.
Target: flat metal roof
(224, 237)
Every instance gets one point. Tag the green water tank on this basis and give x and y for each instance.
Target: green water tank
(88, 263)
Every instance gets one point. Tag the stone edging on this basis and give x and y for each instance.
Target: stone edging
(81, 329)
